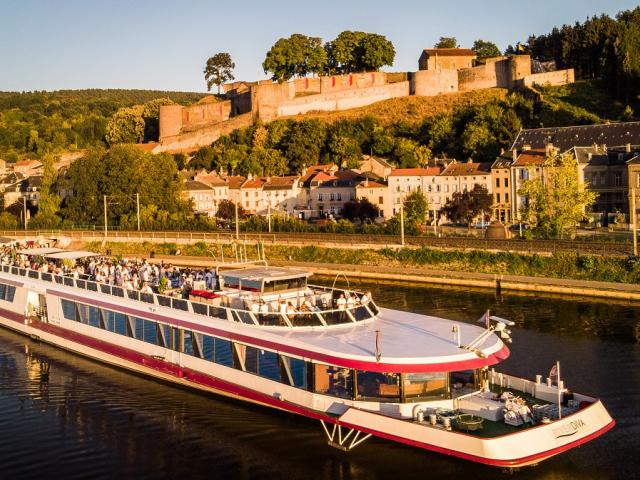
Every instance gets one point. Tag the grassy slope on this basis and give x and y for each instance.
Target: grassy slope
(580, 103)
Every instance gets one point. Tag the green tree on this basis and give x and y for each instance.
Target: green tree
(465, 206)
(358, 52)
(8, 221)
(218, 70)
(485, 49)
(297, 55)
(126, 126)
(268, 162)
(416, 208)
(227, 210)
(361, 209)
(49, 201)
(447, 42)
(556, 200)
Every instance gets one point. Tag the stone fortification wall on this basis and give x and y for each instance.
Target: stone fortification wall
(428, 83)
(307, 86)
(341, 100)
(189, 141)
(559, 77)
(176, 118)
(354, 81)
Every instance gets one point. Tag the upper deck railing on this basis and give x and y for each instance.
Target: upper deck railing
(323, 316)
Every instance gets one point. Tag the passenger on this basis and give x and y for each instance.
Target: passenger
(264, 308)
(146, 288)
(341, 303)
(350, 301)
(255, 308)
(282, 306)
(291, 310)
(366, 297)
(308, 304)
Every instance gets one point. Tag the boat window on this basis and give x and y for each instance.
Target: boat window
(81, 284)
(218, 312)
(10, 293)
(360, 313)
(68, 308)
(179, 304)
(271, 319)
(46, 277)
(120, 323)
(92, 286)
(421, 386)
(463, 381)
(94, 317)
(165, 335)
(335, 381)
(108, 320)
(132, 294)
(117, 291)
(268, 365)
(32, 273)
(294, 372)
(243, 317)
(305, 320)
(378, 387)
(188, 343)
(68, 281)
(58, 278)
(373, 307)
(146, 297)
(223, 352)
(104, 288)
(199, 308)
(207, 347)
(14, 270)
(336, 317)
(3, 289)
(164, 301)
(150, 334)
(137, 328)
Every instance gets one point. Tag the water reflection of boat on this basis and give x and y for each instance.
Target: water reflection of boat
(359, 369)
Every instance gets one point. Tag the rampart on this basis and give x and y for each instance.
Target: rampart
(428, 83)
(559, 77)
(340, 100)
(187, 128)
(176, 118)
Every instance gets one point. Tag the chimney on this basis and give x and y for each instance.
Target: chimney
(514, 154)
(549, 148)
(604, 147)
(526, 147)
(627, 147)
(501, 151)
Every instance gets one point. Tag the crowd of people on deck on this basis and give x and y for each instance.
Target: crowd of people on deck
(145, 276)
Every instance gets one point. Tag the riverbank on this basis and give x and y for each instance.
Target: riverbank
(423, 266)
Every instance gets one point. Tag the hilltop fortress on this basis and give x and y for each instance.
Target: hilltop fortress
(440, 71)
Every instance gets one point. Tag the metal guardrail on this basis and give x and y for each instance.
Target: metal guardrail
(594, 247)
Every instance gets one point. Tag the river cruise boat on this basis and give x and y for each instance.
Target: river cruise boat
(267, 336)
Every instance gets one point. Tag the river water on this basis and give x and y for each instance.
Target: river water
(65, 417)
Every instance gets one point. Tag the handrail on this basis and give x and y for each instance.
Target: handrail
(298, 319)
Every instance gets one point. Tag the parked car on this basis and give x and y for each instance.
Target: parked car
(481, 224)
(516, 226)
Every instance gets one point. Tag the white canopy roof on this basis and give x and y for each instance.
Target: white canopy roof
(38, 251)
(73, 255)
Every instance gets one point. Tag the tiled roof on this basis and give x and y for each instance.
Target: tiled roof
(531, 158)
(322, 177)
(415, 172)
(194, 185)
(211, 179)
(591, 155)
(468, 168)
(503, 161)
(450, 52)
(235, 181)
(278, 183)
(371, 184)
(580, 136)
(255, 182)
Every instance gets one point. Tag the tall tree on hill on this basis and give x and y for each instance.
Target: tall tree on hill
(218, 70)
(358, 52)
(485, 49)
(49, 203)
(297, 55)
(465, 206)
(447, 42)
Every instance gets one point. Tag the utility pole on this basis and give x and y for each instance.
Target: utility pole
(138, 209)
(634, 220)
(24, 211)
(237, 223)
(402, 225)
(104, 199)
(269, 215)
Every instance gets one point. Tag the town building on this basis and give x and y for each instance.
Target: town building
(501, 187)
(446, 59)
(404, 181)
(528, 164)
(201, 195)
(378, 194)
(281, 194)
(462, 177)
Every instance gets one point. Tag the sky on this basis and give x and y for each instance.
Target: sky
(163, 45)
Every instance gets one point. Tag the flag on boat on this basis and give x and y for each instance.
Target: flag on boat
(485, 319)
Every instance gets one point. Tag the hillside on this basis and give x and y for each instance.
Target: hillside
(32, 123)
(412, 110)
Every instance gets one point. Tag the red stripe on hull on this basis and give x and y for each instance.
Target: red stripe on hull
(372, 366)
(253, 396)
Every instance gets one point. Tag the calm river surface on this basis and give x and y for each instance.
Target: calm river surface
(86, 420)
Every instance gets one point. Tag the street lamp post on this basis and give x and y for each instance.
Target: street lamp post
(402, 225)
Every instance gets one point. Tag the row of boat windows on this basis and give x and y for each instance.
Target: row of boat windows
(314, 377)
(7, 292)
